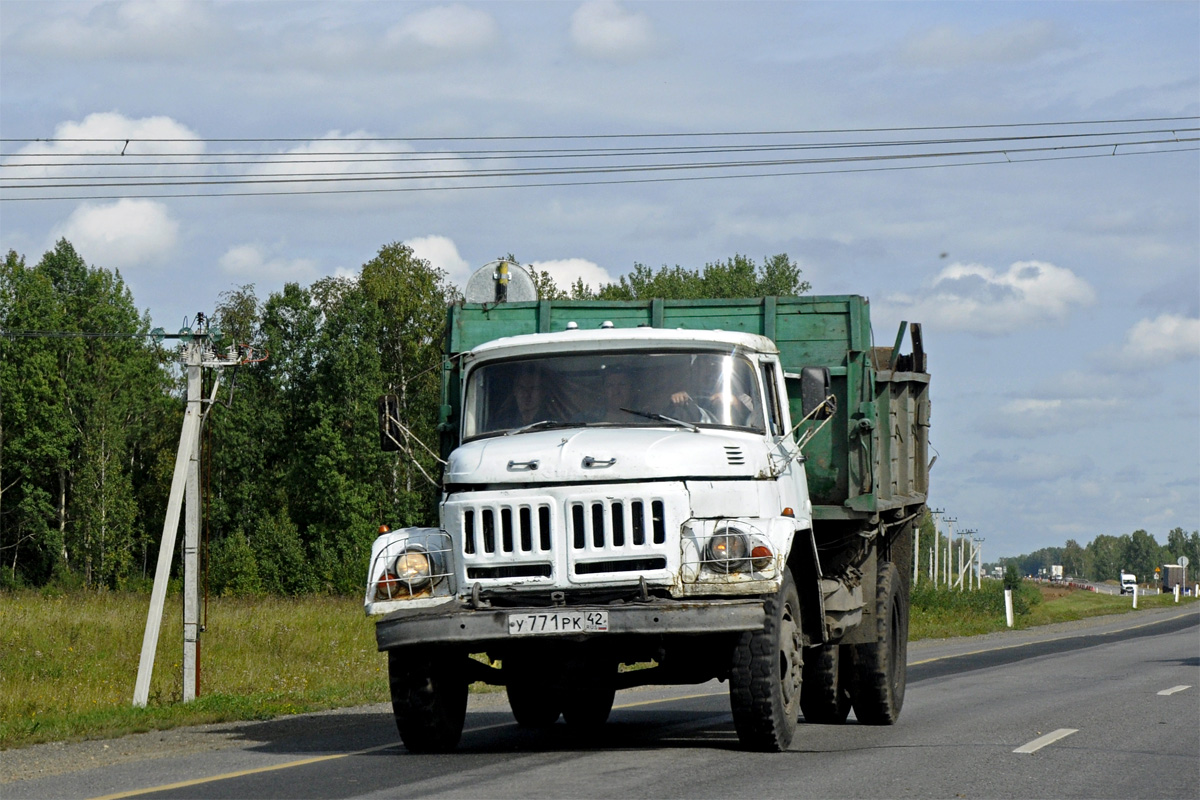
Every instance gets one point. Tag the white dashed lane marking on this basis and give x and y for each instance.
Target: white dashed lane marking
(1042, 741)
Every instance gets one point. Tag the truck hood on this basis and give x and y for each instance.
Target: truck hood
(607, 454)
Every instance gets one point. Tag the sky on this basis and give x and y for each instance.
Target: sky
(1060, 297)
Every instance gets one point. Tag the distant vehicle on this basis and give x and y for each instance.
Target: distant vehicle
(1128, 583)
(1056, 572)
(1173, 575)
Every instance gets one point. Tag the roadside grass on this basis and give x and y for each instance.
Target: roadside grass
(946, 613)
(68, 662)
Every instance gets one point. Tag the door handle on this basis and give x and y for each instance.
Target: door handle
(589, 462)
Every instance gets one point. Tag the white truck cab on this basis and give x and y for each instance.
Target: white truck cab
(643, 458)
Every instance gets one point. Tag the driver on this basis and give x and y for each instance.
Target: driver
(712, 403)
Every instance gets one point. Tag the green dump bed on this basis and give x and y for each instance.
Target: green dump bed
(870, 457)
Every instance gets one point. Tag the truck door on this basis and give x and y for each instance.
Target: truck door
(793, 490)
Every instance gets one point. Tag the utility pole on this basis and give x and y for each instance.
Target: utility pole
(200, 351)
(933, 551)
(966, 557)
(949, 545)
(934, 513)
(979, 562)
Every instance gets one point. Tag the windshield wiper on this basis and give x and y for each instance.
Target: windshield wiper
(541, 423)
(663, 418)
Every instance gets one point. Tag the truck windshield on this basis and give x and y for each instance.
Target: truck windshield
(613, 389)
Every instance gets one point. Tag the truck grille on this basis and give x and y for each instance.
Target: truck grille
(507, 529)
(547, 539)
(604, 523)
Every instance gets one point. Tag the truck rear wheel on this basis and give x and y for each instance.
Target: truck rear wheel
(825, 699)
(429, 699)
(764, 683)
(880, 668)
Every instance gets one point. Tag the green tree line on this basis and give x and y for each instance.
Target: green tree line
(295, 484)
(1106, 557)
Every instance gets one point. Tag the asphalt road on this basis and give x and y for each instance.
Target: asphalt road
(1099, 708)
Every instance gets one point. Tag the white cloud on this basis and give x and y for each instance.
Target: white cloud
(116, 133)
(125, 30)
(372, 158)
(1030, 467)
(567, 270)
(948, 46)
(442, 253)
(1034, 417)
(971, 297)
(603, 29)
(446, 29)
(249, 263)
(127, 233)
(1165, 339)
(1064, 402)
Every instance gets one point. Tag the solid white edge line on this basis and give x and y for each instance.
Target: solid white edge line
(1042, 741)
(1175, 689)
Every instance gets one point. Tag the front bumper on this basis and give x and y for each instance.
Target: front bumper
(453, 624)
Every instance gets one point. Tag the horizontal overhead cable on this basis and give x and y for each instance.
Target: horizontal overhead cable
(49, 176)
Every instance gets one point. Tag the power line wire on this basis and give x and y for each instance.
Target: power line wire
(290, 159)
(624, 181)
(580, 170)
(599, 136)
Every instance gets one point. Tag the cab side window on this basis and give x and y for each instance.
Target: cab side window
(774, 415)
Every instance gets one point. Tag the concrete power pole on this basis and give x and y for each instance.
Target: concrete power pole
(200, 352)
(949, 546)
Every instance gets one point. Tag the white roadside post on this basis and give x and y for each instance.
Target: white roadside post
(1135, 594)
(1008, 607)
(1177, 593)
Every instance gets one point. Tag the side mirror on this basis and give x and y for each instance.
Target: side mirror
(389, 423)
(814, 388)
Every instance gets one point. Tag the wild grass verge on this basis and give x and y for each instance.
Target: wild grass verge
(68, 663)
(941, 613)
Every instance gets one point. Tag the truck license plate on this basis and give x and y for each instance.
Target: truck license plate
(558, 622)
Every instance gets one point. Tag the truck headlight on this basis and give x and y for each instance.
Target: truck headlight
(728, 550)
(413, 568)
(410, 575)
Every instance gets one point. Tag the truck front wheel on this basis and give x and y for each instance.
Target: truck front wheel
(880, 668)
(764, 683)
(826, 696)
(588, 699)
(533, 697)
(429, 699)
